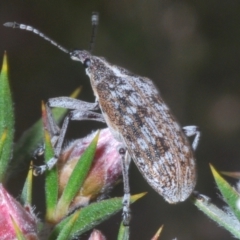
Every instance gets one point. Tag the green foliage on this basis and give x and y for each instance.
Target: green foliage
(77, 178)
(26, 195)
(123, 233)
(227, 218)
(6, 120)
(92, 215)
(230, 195)
(51, 181)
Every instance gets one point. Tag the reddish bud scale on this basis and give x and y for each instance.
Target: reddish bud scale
(104, 173)
(96, 235)
(24, 218)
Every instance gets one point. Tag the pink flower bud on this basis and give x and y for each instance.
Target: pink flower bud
(96, 235)
(104, 173)
(11, 210)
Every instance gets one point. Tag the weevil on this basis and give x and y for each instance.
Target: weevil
(138, 118)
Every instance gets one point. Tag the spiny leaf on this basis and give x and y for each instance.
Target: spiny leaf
(2, 141)
(227, 221)
(26, 195)
(231, 196)
(66, 231)
(92, 215)
(51, 181)
(123, 233)
(6, 119)
(77, 178)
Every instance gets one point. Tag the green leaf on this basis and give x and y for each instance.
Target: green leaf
(92, 215)
(123, 233)
(77, 178)
(6, 119)
(231, 196)
(26, 195)
(227, 221)
(31, 139)
(51, 181)
(2, 141)
(66, 231)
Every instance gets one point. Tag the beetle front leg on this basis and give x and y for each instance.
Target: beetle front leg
(58, 136)
(73, 104)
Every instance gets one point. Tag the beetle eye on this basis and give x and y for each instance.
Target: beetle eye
(87, 63)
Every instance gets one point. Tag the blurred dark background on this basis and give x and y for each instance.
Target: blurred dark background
(190, 49)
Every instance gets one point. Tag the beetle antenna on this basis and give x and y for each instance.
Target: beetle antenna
(36, 31)
(95, 21)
